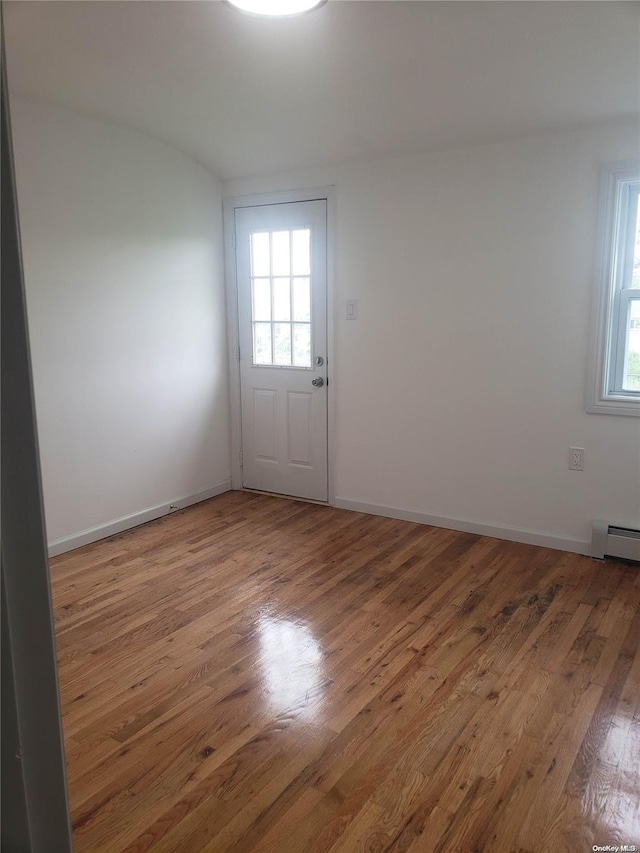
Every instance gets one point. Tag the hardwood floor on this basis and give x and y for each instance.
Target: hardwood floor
(257, 674)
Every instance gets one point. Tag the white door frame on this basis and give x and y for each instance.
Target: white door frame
(231, 281)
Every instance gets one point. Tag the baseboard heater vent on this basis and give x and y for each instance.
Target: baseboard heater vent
(608, 540)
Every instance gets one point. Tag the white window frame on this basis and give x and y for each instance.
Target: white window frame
(619, 183)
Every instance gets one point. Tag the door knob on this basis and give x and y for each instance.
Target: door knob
(318, 382)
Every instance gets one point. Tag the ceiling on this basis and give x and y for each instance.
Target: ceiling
(355, 79)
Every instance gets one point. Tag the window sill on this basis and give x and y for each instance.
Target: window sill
(616, 404)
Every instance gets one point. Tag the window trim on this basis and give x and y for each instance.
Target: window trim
(618, 180)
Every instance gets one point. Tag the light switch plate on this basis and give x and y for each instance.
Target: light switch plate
(352, 309)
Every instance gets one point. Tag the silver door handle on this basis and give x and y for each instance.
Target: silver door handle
(318, 382)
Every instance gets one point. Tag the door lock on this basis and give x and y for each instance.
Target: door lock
(319, 360)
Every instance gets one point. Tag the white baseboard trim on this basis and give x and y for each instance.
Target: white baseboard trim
(511, 534)
(93, 534)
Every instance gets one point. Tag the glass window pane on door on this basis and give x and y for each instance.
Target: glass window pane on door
(261, 299)
(300, 251)
(260, 263)
(302, 300)
(262, 343)
(281, 297)
(282, 343)
(302, 344)
(281, 259)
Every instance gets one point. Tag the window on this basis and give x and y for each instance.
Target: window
(615, 362)
(281, 297)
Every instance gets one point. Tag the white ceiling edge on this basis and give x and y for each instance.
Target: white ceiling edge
(355, 80)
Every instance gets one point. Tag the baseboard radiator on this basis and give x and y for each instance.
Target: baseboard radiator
(609, 540)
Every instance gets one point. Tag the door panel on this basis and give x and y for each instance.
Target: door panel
(282, 315)
(264, 423)
(299, 427)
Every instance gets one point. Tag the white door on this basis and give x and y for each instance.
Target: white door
(281, 257)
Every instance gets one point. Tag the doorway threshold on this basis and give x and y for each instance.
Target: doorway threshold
(285, 497)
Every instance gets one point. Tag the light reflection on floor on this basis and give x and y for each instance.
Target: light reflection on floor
(620, 815)
(291, 662)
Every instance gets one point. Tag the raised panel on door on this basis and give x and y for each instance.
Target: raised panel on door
(282, 311)
(264, 424)
(299, 427)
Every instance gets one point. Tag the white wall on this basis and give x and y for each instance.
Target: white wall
(461, 385)
(122, 243)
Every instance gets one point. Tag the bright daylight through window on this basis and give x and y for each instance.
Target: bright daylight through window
(615, 364)
(281, 297)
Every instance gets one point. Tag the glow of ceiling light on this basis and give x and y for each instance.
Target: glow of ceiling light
(276, 8)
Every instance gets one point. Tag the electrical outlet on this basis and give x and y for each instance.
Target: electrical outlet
(576, 458)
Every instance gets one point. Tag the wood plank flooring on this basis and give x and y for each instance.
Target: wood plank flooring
(256, 674)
